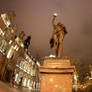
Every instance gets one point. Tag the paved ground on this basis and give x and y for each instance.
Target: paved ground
(6, 88)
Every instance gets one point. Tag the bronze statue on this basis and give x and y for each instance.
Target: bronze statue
(27, 42)
(57, 37)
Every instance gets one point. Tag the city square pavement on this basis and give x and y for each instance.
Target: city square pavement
(7, 88)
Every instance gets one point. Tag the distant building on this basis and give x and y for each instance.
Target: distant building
(26, 72)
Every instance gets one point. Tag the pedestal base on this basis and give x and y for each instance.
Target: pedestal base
(56, 75)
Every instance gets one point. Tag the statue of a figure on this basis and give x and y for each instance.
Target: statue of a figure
(57, 37)
(27, 42)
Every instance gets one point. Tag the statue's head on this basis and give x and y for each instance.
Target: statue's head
(59, 24)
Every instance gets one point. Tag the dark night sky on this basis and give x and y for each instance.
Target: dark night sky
(34, 17)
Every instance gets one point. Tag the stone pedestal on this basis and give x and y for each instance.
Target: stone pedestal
(56, 75)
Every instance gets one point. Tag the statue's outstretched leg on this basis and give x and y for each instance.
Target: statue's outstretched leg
(60, 50)
(60, 44)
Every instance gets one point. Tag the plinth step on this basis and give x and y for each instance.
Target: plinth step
(56, 62)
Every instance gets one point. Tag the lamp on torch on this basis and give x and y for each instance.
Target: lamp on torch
(55, 14)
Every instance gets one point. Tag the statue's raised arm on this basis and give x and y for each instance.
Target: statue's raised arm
(53, 19)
